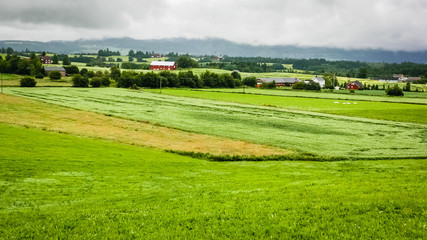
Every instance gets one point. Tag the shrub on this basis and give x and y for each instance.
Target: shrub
(39, 75)
(394, 91)
(96, 82)
(105, 81)
(28, 82)
(134, 87)
(79, 81)
(270, 85)
(299, 86)
(70, 70)
(55, 75)
(313, 85)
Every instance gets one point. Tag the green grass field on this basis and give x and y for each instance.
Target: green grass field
(357, 106)
(368, 95)
(59, 186)
(304, 131)
(13, 80)
(87, 163)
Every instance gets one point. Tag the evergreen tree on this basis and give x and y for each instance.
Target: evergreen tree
(55, 59)
(65, 60)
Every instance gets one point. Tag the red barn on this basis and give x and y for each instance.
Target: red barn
(355, 85)
(159, 65)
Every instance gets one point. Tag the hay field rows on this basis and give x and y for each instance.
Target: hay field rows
(382, 108)
(323, 135)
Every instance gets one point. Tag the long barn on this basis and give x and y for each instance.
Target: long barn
(159, 65)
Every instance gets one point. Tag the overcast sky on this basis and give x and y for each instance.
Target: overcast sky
(385, 24)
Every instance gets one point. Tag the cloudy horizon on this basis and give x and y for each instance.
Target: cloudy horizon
(363, 24)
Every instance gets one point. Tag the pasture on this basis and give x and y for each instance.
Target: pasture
(324, 136)
(59, 186)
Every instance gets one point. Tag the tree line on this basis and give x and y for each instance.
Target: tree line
(339, 68)
(129, 79)
(17, 65)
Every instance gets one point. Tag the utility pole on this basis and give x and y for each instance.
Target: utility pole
(160, 85)
(1, 78)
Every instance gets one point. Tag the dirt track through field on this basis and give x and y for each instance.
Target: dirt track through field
(31, 113)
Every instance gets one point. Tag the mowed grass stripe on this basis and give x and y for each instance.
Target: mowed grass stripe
(324, 135)
(61, 186)
(25, 112)
(362, 95)
(401, 112)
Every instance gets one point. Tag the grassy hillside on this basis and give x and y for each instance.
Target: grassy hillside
(324, 135)
(58, 186)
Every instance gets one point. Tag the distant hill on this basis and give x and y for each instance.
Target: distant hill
(214, 46)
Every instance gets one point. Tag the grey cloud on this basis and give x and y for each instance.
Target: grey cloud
(388, 24)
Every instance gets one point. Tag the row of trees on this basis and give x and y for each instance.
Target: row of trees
(15, 64)
(340, 68)
(129, 79)
(107, 53)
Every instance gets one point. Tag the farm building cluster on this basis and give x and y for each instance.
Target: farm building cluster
(281, 82)
(398, 78)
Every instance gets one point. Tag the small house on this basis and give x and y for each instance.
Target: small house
(280, 82)
(60, 69)
(159, 65)
(411, 79)
(45, 60)
(321, 81)
(355, 85)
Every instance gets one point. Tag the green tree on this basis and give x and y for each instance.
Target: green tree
(236, 75)
(226, 80)
(277, 67)
(10, 51)
(105, 81)
(83, 71)
(250, 81)
(131, 53)
(210, 79)
(115, 73)
(188, 79)
(65, 60)
(408, 87)
(96, 82)
(171, 79)
(185, 61)
(72, 69)
(328, 82)
(363, 73)
(55, 59)
(80, 81)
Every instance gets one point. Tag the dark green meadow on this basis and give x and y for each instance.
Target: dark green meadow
(57, 186)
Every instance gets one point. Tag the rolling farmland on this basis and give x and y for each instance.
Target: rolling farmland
(96, 163)
(319, 134)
